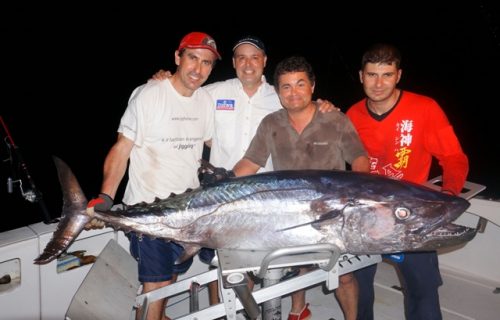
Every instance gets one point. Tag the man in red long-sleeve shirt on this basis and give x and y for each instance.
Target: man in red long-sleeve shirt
(402, 132)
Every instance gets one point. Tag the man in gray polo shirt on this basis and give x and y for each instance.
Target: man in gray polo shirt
(298, 137)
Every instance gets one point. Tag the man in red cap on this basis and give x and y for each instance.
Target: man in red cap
(199, 40)
(162, 133)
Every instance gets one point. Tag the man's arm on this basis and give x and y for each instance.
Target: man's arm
(452, 160)
(325, 106)
(455, 169)
(361, 164)
(114, 170)
(161, 75)
(245, 167)
(443, 144)
(115, 165)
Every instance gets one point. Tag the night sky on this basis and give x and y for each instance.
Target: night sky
(68, 73)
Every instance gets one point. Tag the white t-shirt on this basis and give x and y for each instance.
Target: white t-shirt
(168, 131)
(236, 119)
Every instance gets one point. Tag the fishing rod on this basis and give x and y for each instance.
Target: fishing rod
(32, 194)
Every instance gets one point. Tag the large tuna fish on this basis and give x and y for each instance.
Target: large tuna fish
(359, 213)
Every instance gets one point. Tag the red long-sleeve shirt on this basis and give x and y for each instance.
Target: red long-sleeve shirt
(402, 144)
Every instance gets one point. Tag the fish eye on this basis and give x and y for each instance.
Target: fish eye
(402, 213)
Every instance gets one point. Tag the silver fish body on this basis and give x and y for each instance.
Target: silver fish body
(359, 213)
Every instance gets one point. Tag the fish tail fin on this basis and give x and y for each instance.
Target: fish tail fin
(74, 215)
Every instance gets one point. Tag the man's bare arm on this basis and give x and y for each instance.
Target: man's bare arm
(245, 167)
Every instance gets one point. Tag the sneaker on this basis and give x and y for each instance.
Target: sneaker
(304, 314)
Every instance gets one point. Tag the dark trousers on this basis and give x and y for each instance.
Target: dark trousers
(420, 277)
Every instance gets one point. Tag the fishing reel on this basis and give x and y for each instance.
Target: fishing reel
(20, 169)
(29, 195)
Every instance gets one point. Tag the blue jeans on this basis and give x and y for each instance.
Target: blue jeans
(156, 258)
(420, 276)
(206, 255)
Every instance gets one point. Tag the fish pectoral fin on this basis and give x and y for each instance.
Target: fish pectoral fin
(189, 251)
(329, 215)
(316, 224)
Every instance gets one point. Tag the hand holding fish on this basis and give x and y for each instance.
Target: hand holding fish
(211, 174)
(102, 203)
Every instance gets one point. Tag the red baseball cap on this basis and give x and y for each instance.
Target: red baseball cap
(199, 40)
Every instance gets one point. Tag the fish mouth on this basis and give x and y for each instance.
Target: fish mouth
(448, 235)
(444, 227)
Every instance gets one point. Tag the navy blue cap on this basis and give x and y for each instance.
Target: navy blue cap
(254, 41)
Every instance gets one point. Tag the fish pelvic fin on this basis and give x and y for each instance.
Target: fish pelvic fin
(189, 251)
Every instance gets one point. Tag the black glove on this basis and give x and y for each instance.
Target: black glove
(216, 175)
(210, 174)
(102, 203)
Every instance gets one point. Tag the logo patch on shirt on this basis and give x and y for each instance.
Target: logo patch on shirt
(224, 104)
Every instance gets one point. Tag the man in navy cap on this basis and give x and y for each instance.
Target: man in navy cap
(241, 103)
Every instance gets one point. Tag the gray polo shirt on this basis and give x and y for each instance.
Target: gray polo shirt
(328, 142)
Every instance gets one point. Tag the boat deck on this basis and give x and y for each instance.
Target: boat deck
(461, 298)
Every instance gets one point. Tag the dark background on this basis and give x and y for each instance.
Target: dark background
(68, 73)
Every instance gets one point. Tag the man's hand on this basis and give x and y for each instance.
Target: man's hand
(211, 174)
(161, 75)
(102, 203)
(326, 106)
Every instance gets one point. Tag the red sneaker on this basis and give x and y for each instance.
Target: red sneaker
(304, 314)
